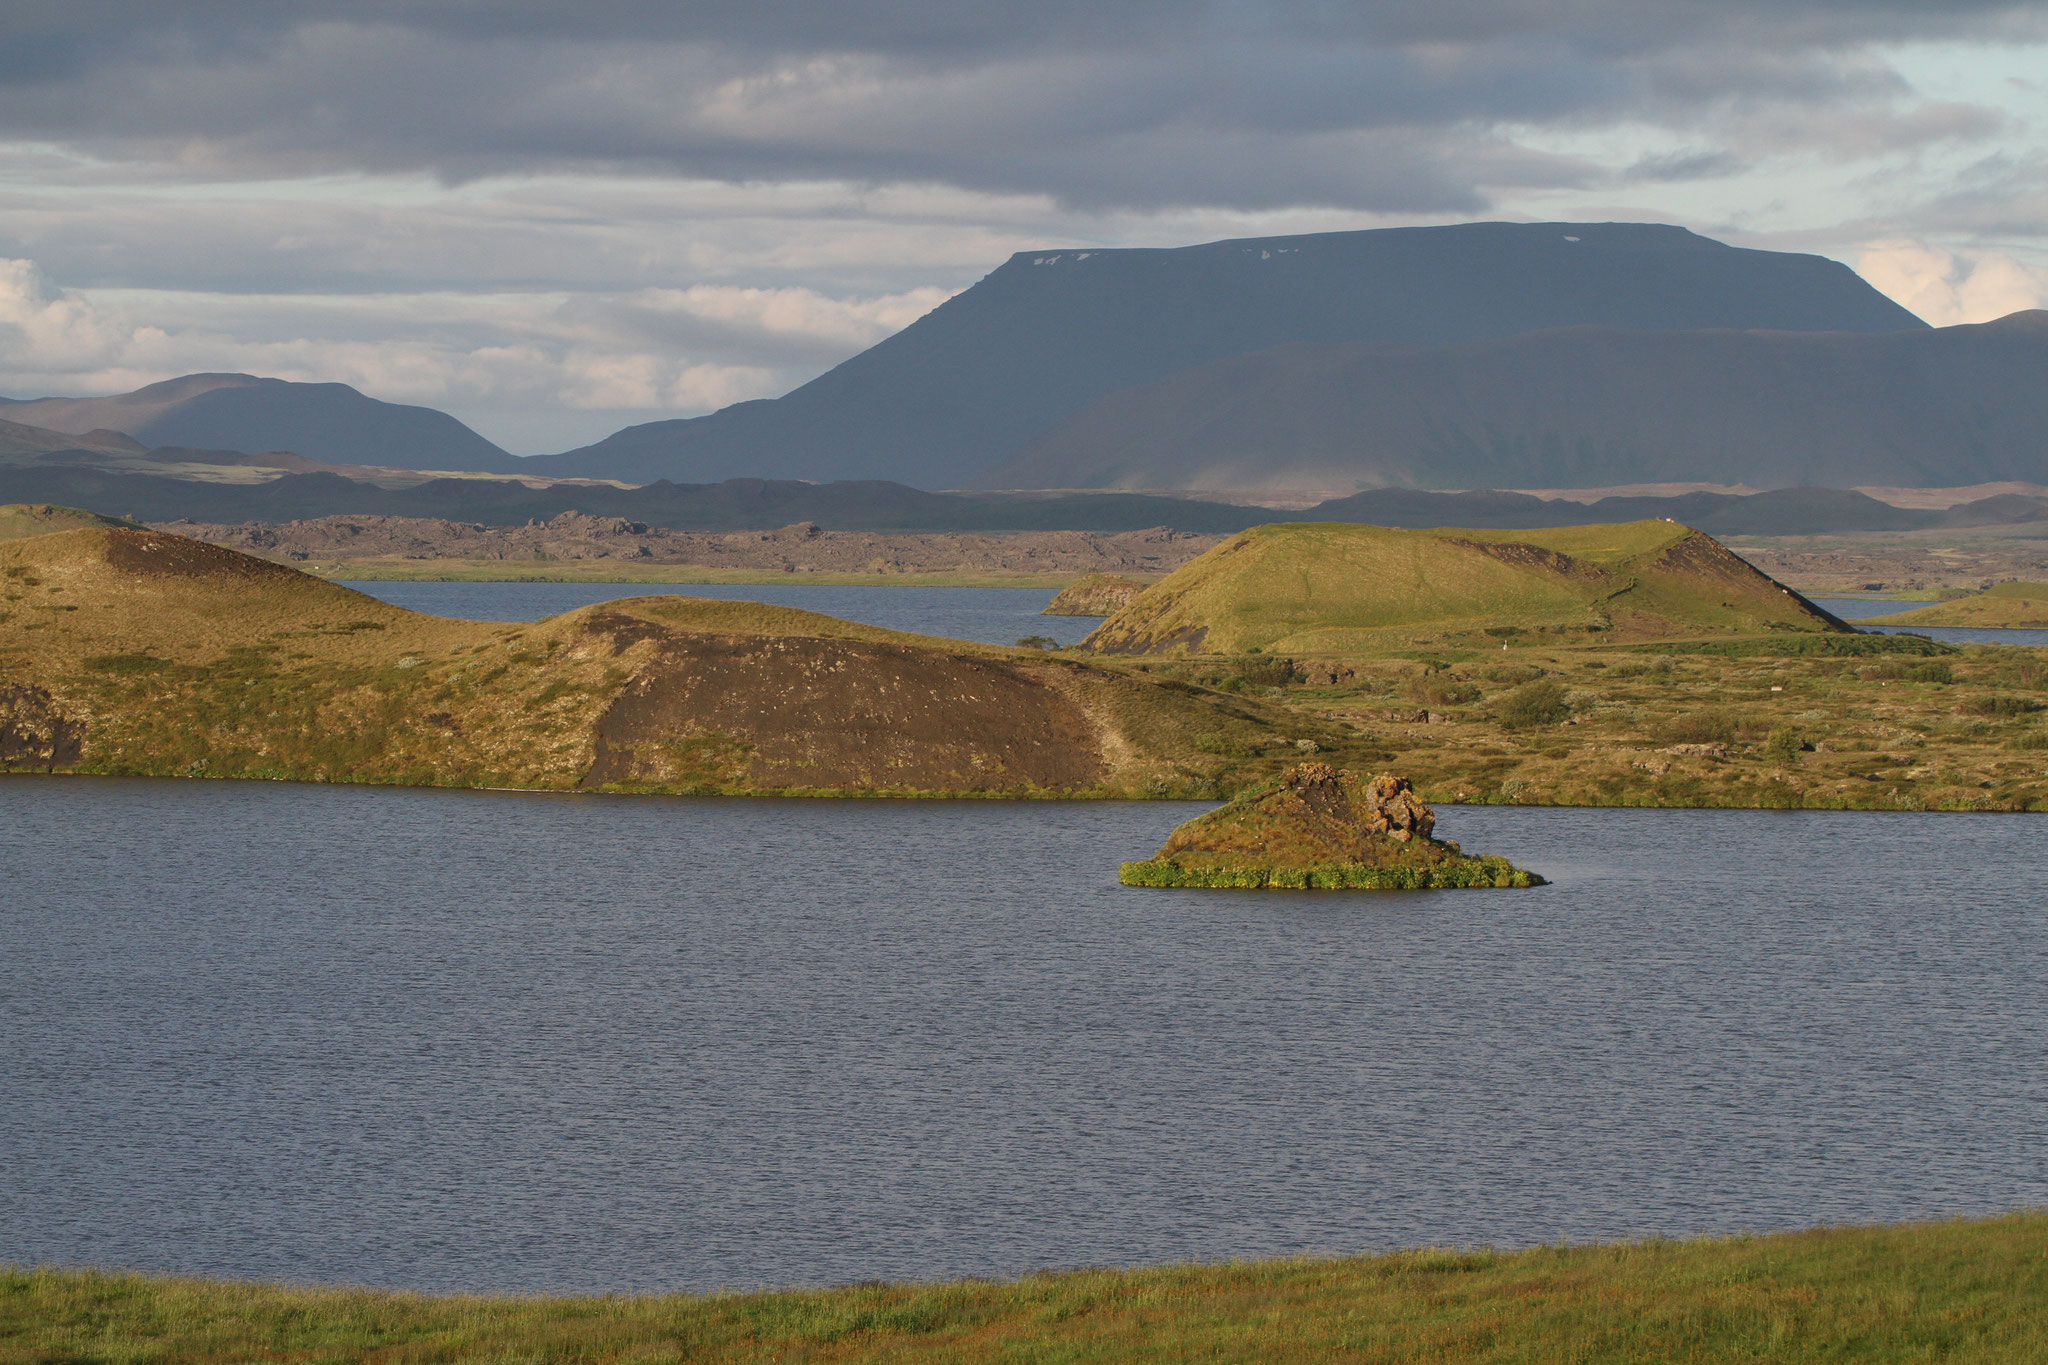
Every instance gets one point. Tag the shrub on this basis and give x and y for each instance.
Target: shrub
(1542, 702)
(1699, 727)
(1038, 642)
(1782, 746)
(1432, 692)
(2002, 708)
(1267, 670)
(1898, 670)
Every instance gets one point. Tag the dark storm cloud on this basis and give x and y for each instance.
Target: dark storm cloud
(1144, 103)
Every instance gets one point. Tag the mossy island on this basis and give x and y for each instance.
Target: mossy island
(1321, 828)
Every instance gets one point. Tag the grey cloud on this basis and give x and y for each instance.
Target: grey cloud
(1146, 104)
(1681, 166)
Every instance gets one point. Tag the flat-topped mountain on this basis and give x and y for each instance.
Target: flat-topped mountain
(946, 399)
(1324, 588)
(331, 423)
(1582, 407)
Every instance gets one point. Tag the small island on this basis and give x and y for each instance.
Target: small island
(1320, 828)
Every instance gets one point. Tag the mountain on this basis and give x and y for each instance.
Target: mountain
(18, 440)
(1579, 407)
(1322, 588)
(949, 397)
(331, 423)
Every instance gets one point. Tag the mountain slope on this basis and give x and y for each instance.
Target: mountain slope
(944, 400)
(1580, 407)
(328, 422)
(1311, 587)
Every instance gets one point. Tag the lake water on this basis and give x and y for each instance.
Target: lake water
(997, 616)
(455, 1040)
(1851, 608)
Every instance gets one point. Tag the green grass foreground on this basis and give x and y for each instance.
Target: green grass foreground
(1954, 1292)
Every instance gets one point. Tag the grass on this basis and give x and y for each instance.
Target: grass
(614, 571)
(1323, 588)
(1959, 1292)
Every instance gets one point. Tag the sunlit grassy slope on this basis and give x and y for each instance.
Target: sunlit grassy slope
(1965, 1293)
(40, 519)
(2014, 605)
(1319, 588)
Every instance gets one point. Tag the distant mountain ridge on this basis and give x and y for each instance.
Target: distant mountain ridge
(946, 399)
(1578, 407)
(330, 423)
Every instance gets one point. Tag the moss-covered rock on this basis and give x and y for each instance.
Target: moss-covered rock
(1320, 828)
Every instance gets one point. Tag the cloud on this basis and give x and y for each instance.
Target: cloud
(665, 352)
(1949, 287)
(43, 323)
(1384, 106)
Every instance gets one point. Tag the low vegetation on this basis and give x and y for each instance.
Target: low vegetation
(1969, 1293)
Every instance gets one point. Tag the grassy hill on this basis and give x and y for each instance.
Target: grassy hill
(135, 651)
(40, 519)
(2014, 605)
(1315, 588)
(1962, 1292)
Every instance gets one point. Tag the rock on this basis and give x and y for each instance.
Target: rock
(1325, 675)
(1392, 807)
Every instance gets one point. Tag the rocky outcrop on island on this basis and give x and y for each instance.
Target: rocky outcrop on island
(1320, 827)
(1095, 594)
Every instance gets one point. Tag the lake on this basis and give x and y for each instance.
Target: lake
(1851, 608)
(996, 616)
(467, 1040)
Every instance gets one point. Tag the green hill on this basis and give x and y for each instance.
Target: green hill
(40, 519)
(2012, 606)
(1317, 588)
(126, 650)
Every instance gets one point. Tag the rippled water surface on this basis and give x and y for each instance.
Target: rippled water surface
(997, 616)
(495, 1041)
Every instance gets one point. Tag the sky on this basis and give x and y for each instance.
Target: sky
(555, 220)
